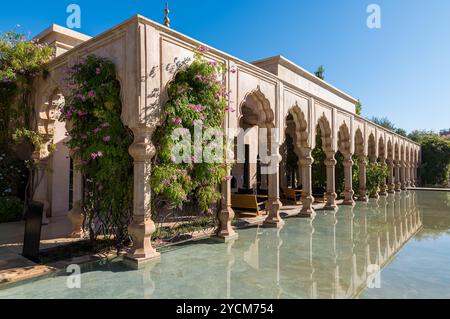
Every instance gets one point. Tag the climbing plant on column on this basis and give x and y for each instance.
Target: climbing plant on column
(100, 141)
(197, 98)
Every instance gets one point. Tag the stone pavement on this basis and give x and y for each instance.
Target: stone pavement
(12, 264)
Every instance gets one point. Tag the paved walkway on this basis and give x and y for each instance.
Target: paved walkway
(12, 263)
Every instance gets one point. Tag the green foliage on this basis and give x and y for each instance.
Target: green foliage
(21, 60)
(386, 123)
(11, 209)
(320, 72)
(196, 96)
(101, 142)
(358, 108)
(435, 166)
(375, 174)
(13, 174)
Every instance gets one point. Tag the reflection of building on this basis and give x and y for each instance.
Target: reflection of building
(273, 93)
(333, 258)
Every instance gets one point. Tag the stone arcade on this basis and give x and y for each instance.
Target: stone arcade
(271, 93)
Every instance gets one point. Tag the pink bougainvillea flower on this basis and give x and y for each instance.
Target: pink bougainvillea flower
(91, 94)
(233, 70)
(94, 156)
(105, 125)
(212, 63)
(197, 108)
(176, 121)
(202, 49)
(106, 138)
(96, 130)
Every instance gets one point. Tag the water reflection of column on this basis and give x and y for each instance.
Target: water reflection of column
(280, 243)
(313, 284)
(390, 222)
(231, 260)
(147, 281)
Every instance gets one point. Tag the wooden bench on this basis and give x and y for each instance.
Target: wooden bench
(252, 203)
(292, 194)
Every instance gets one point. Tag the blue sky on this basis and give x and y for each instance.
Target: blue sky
(401, 71)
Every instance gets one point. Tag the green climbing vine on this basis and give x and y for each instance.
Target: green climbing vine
(21, 61)
(100, 141)
(197, 98)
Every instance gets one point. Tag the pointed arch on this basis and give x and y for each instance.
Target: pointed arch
(371, 150)
(326, 132)
(359, 143)
(390, 150)
(344, 140)
(298, 119)
(381, 148)
(256, 111)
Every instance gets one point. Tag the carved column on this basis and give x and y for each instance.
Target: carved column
(330, 163)
(362, 165)
(391, 185)
(142, 226)
(398, 183)
(348, 180)
(306, 161)
(383, 187)
(274, 219)
(225, 231)
(76, 213)
(402, 175)
(412, 176)
(408, 174)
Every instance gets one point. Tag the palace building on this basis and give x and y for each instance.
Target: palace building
(271, 93)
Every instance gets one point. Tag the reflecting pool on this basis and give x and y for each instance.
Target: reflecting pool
(394, 247)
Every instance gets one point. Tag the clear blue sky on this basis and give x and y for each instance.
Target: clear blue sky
(401, 71)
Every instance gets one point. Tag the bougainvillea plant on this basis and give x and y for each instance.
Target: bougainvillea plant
(21, 61)
(197, 97)
(100, 141)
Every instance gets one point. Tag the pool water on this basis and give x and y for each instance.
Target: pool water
(405, 236)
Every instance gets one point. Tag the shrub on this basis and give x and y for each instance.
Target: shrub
(435, 166)
(11, 209)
